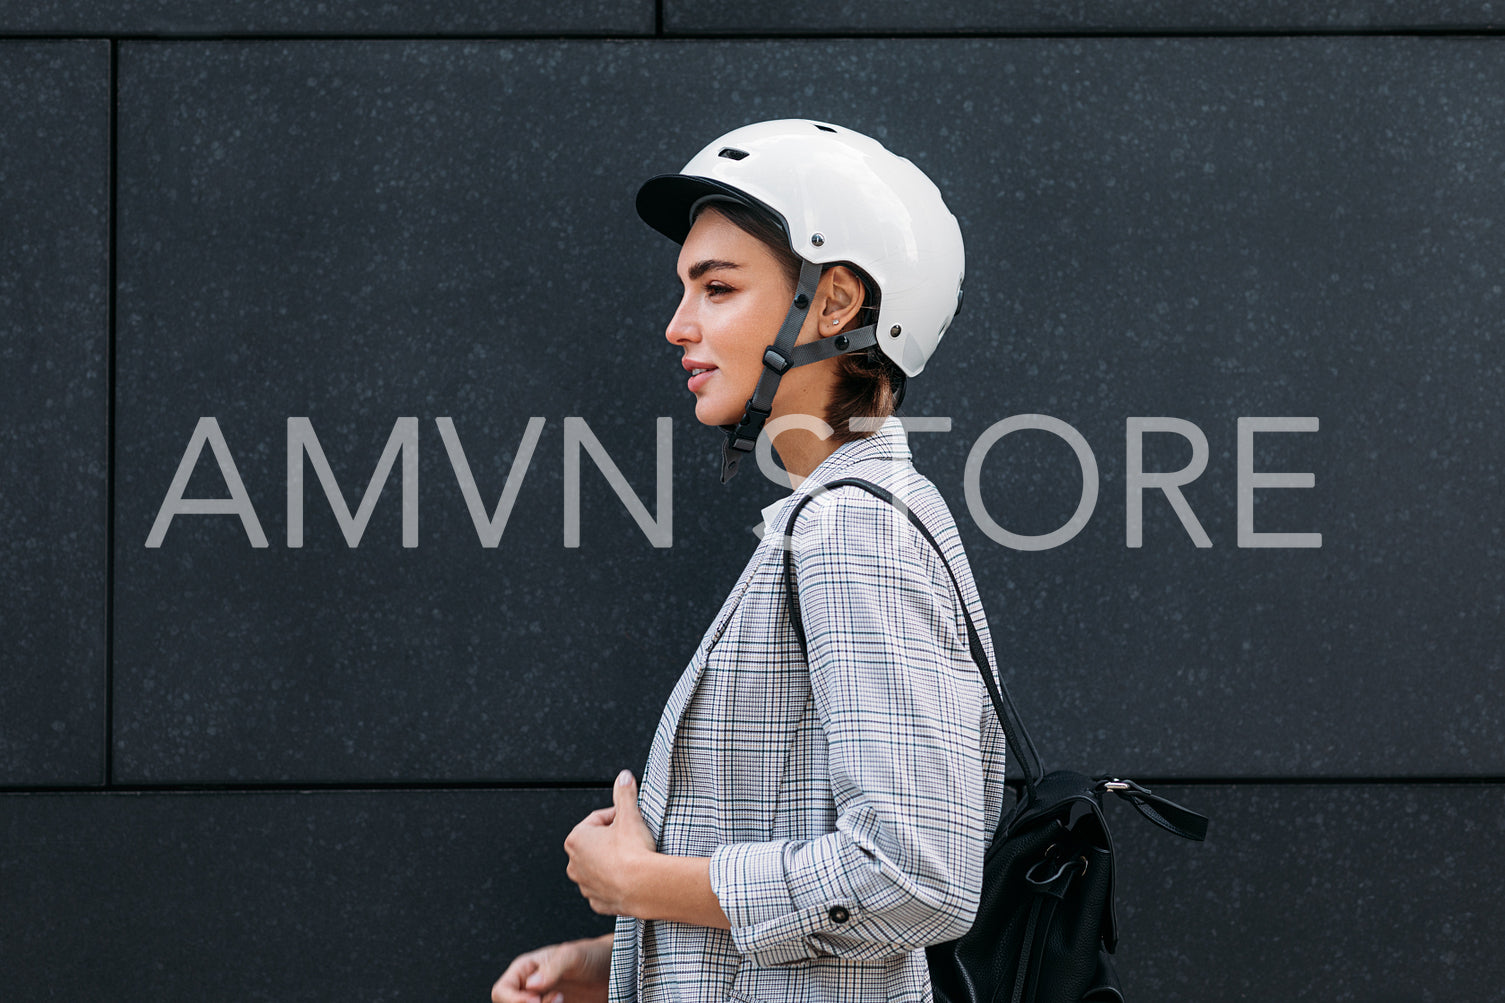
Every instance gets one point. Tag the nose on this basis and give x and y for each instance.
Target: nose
(682, 329)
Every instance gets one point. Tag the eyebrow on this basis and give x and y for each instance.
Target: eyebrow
(701, 267)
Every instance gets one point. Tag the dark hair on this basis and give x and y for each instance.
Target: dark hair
(868, 384)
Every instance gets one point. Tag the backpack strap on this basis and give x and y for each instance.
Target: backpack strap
(1003, 705)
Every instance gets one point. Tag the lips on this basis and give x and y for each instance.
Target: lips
(700, 373)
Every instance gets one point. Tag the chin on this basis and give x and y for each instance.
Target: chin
(717, 414)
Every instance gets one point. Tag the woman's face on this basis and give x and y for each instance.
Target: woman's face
(736, 294)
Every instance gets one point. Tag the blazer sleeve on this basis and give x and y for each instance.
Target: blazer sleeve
(897, 696)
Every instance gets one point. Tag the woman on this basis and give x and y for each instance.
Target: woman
(814, 811)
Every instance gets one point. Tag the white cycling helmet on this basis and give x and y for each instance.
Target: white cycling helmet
(842, 198)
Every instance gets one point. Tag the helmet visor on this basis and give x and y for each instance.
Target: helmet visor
(668, 202)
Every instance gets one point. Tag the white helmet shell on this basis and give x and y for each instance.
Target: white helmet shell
(843, 198)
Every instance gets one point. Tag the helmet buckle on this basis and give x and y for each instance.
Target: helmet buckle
(775, 360)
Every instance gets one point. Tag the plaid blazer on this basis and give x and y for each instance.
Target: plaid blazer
(845, 803)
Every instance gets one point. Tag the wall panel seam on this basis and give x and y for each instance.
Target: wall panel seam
(664, 34)
(110, 466)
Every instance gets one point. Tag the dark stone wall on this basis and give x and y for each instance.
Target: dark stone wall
(54, 413)
(333, 769)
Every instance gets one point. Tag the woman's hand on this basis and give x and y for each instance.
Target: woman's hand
(574, 972)
(621, 873)
(610, 850)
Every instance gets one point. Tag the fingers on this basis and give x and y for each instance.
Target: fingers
(624, 793)
(542, 980)
(629, 817)
(534, 977)
(598, 819)
(624, 797)
(509, 988)
(548, 973)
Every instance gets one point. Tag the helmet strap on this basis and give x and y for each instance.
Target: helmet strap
(778, 359)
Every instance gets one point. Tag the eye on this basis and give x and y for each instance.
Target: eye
(714, 288)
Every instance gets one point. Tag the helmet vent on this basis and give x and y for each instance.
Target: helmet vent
(824, 128)
(731, 154)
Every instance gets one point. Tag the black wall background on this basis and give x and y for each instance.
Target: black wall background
(330, 772)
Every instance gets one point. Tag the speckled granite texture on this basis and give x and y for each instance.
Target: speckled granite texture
(334, 17)
(390, 895)
(786, 17)
(54, 272)
(1198, 228)
(768, 17)
(1363, 894)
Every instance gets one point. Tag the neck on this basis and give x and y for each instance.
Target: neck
(801, 452)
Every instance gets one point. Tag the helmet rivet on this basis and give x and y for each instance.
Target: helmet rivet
(895, 331)
(801, 301)
(817, 239)
(842, 342)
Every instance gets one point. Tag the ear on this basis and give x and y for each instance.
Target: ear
(840, 297)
